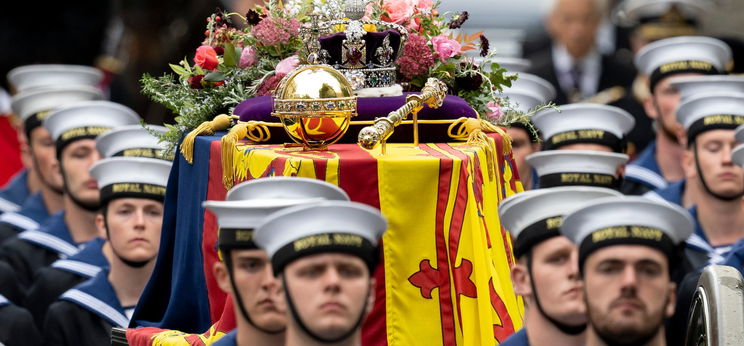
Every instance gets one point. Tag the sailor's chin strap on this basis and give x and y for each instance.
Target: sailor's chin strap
(565, 328)
(239, 299)
(315, 336)
(707, 188)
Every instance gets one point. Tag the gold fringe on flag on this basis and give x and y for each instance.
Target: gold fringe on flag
(474, 131)
(256, 131)
(219, 123)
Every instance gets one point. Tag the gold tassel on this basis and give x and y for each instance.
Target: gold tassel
(219, 123)
(256, 131)
(474, 131)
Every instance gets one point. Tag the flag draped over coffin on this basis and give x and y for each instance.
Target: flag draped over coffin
(445, 278)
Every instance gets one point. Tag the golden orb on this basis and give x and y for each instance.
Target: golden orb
(315, 104)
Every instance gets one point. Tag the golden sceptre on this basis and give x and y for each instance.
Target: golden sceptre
(431, 95)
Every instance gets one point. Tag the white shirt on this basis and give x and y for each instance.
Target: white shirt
(590, 65)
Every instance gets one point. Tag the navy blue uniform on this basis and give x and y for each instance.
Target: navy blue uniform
(35, 249)
(698, 250)
(517, 339)
(15, 193)
(673, 193)
(643, 174)
(17, 326)
(230, 339)
(64, 274)
(31, 216)
(85, 314)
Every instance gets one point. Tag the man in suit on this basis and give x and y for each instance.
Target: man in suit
(578, 71)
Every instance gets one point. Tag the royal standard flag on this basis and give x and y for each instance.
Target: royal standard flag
(446, 259)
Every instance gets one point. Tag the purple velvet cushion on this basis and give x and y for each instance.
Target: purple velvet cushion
(259, 108)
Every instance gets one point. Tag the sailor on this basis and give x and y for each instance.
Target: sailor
(677, 192)
(578, 168)
(710, 121)
(74, 129)
(525, 95)
(325, 268)
(26, 80)
(32, 106)
(245, 271)
(546, 274)
(132, 193)
(628, 248)
(660, 163)
(584, 127)
(735, 258)
(50, 282)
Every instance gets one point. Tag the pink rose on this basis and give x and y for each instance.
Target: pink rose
(495, 110)
(287, 65)
(445, 47)
(206, 57)
(425, 5)
(398, 11)
(248, 57)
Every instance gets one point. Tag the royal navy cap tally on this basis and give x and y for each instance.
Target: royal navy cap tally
(33, 106)
(534, 84)
(684, 54)
(707, 112)
(577, 167)
(584, 123)
(737, 155)
(739, 134)
(131, 177)
(536, 215)
(707, 84)
(134, 141)
(43, 75)
(287, 188)
(237, 220)
(627, 220)
(87, 119)
(331, 226)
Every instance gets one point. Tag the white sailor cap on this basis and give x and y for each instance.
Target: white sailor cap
(627, 220)
(706, 84)
(331, 226)
(87, 119)
(131, 177)
(739, 134)
(248, 203)
(584, 123)
(238, 219)
(534, 84)
(286, 188)
(43, 75)
(536, 215)
(577, 167)
(33, 106)
(737, 155)
(667, 18)
(684, 54)
(706, 112)
(522, 100)
(134, 141)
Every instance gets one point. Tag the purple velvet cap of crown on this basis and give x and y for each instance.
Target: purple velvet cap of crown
(332, 43)
(453, 107)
